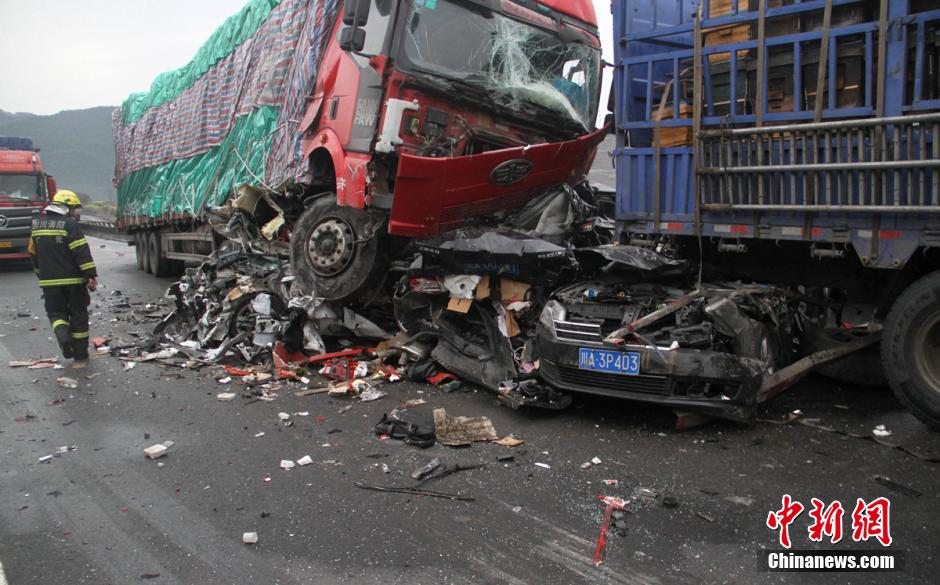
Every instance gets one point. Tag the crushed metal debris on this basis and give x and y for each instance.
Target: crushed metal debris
(535, 305)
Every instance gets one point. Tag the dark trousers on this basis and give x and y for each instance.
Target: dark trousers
(67, 308)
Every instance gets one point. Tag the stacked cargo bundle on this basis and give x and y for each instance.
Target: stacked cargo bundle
(730, 38)
(750, 105)
(227, 117)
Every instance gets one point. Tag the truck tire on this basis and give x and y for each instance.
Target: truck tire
(145, 251)
(331, 255)
(140, 250)
(910, 349)
(159, 265)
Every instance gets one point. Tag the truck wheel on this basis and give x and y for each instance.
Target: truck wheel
(331, 255)
(145, 251)
(140, 250)
(159, 265)
(910, 349)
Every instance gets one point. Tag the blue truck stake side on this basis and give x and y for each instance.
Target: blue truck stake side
(798, 143)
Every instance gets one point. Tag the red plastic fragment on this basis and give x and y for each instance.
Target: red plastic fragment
(610, 504)
(236, 371)
(438, 379)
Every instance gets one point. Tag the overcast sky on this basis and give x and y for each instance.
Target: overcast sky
(71, 54)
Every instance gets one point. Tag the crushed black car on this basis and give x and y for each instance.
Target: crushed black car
(644, 329)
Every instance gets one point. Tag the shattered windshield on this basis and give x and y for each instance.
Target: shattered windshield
(27, 187)
(531, 66)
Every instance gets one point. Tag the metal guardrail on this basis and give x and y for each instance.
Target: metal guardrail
(869, 165)
(103, 228)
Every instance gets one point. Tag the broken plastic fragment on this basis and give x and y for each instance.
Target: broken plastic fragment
(34, 364)
(509, 441)
(261, 304)
(881, 431)
(158, 450)
(427, 469)
(462, 286)
(739, 500)
(67, 382)
(372, 393)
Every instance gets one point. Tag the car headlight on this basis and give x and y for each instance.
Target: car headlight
(553, 311)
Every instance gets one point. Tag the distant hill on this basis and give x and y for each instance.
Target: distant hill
(75, 146)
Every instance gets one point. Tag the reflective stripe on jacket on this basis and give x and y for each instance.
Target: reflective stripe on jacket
(60, 253)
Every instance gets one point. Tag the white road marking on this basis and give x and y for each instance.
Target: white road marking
(3, 577)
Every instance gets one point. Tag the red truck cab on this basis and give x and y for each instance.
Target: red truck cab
(428, 114)
(25, 190)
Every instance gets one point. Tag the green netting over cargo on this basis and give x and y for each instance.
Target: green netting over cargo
(186, 186)
(167, 86)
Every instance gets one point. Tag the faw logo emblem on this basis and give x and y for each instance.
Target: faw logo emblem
(3, 221)
(511, 171)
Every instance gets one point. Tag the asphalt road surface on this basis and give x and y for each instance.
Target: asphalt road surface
(105, 514)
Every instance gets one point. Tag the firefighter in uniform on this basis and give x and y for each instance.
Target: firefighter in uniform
(62, 260)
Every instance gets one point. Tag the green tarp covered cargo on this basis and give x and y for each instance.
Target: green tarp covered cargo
(227, 117)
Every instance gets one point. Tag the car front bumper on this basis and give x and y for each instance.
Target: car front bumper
(14, 248)
(709, 382)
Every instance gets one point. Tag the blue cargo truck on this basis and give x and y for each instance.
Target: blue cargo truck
(791, 143)
(800, 142)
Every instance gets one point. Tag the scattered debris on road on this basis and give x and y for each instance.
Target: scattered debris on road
(426, 475)
(412, 426)
(509, 441)
(67, 382)
(881, 432)
(34, 364)
(610, 504)
(158, 450)
(460, 431)
(58, 453)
